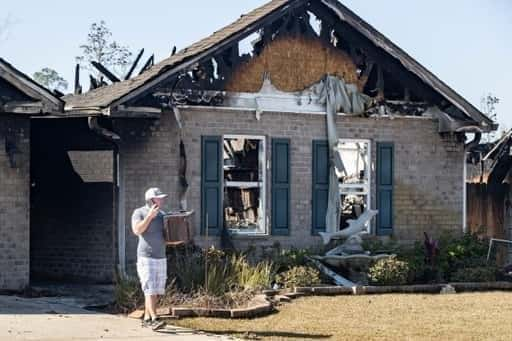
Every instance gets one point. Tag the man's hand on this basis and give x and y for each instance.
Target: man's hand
(143, 225)
(153, 212)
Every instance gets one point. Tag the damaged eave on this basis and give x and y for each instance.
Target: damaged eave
(121, 111)
(28, 107)
(192, 60)
(379, 40)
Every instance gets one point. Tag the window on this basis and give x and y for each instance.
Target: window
(354, 179)
(244, 183)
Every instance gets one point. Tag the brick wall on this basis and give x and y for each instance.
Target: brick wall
(428, 167)
(14, 205)
(72, 236)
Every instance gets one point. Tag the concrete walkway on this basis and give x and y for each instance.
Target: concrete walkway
(47, 319)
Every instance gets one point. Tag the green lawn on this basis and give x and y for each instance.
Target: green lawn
(472, 316)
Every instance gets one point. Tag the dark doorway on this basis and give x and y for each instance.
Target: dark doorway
(72, 225)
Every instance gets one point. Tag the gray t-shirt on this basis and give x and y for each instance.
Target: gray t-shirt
(151, 242)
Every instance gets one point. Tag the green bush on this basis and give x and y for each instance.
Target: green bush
(455, 253)
(186, 265)
(299, 276)
(128, 294)
(389, 271)
(476, 274)
(285, 259)
(251, 277)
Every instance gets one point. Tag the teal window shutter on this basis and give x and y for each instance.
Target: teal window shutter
(211, 184)
(385, 161)
(320, 190)
(280, 187)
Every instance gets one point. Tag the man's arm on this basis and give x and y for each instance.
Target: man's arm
(140, 224)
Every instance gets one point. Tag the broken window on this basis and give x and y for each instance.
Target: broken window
(354, 179)
(244, 183)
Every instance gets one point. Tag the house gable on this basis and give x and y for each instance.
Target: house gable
(217, 63)
(19, 94)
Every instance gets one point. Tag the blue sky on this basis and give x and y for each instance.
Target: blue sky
(467, 43)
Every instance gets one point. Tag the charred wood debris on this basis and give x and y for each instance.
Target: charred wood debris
(394, 89)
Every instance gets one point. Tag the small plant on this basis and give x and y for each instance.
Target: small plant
(128, 294)
(389, 271)
(285, 259)
(249, 277)
(476, 274)
(299, 276)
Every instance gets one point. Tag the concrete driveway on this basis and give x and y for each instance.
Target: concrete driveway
(47, 318)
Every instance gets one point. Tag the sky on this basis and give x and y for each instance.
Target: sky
(466, 43)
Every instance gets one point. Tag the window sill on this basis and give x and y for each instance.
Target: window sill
(239, 236)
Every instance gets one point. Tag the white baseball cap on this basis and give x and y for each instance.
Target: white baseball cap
(154, 192)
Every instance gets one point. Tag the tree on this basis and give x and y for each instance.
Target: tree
(101, 48)
(50, 79)
(488, 106)
(4, 27)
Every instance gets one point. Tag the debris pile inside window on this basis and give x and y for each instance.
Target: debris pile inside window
(354, 179)
(243, 181)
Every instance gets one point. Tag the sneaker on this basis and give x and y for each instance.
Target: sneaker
(146, 323)
(156, 324)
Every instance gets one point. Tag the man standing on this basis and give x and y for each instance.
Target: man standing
(148, 225)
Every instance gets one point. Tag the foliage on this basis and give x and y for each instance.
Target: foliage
(5, 24)
(224, 272)
(100, 47)
(475, 274)
(389, 271)
(488, 107)
(452, 254)
(50, 79)
(128, 294)
(285, 259)
(299, 276)
(248, 277)
(186, 265)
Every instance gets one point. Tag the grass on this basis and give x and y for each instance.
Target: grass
(468, 316)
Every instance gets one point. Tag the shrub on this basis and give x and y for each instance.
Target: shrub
(249, 277)
(389, 271)
(299, 276)
(476, 274)
(186, 264)
(128, 294)
(452, 253)
(285, 259)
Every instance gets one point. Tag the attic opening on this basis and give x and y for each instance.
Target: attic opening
(72, 194)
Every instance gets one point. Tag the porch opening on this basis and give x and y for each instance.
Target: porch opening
(72, 234)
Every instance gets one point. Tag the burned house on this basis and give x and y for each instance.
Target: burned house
(286, 123)
(489, 202)
(56, 185)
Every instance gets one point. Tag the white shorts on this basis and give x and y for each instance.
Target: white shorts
(152, 274)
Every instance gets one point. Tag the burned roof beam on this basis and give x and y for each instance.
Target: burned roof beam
(388, 63)
(113, 78)
(78, 87)
(149, 63)
(207, 53)
(134, 65)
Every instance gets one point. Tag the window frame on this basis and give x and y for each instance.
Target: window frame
(366, 188)
(261, 184)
